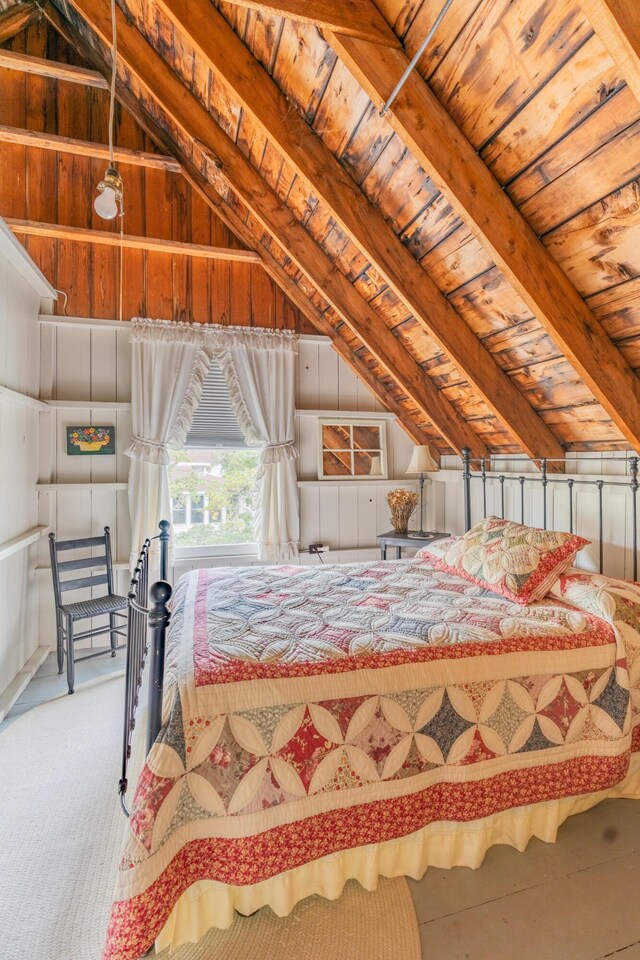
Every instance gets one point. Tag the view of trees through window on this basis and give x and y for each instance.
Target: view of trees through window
(213, 496)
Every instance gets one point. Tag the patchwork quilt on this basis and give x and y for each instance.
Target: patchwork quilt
(311, 710)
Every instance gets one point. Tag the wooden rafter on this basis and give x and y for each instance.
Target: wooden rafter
(82, 148)
(244, 233)
(11, 60)
(217, 44)
(56, 231)
(444, 152)
(355, 18)
(196, 123)
(16, 19)
(617, 23)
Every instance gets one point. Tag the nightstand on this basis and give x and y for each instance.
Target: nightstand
(400, 540)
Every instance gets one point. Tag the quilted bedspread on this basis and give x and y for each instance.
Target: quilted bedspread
(311, 710)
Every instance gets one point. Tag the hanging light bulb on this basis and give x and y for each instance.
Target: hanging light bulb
(109, 195)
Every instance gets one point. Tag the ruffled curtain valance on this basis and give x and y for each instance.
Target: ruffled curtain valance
(212, 337)
(170, 363)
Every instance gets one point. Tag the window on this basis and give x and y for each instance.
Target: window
(178, 512)
(351, 449)
(212, 480)
(198, 508)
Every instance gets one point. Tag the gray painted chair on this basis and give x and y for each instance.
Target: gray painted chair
(68, 613)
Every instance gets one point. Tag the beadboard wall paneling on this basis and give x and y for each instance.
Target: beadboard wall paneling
(87, 364)
(83, 363)
(446, 504)
(19, 308)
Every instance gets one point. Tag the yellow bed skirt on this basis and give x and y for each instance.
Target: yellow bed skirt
(444, 844)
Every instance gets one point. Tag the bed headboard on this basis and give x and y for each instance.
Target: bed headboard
(479, 470)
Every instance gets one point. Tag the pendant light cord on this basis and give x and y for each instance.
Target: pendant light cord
(112, 95)
(112, 102)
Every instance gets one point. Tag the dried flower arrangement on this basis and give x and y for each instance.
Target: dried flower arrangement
(402, 503)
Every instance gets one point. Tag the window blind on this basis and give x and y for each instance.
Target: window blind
(214, 422)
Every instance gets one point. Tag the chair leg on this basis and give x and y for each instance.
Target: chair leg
(59, 644)
(114, 636)
(70, 663)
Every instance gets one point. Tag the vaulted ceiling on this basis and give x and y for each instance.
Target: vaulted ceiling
(475, 252)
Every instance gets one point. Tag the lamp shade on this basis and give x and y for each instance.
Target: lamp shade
(422, 461)
(376, 466)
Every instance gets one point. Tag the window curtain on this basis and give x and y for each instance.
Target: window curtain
(259, 367)
(169, 364)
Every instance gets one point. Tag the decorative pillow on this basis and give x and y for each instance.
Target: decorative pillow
(520, 563)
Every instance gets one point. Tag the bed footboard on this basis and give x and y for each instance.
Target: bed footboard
(141, 619)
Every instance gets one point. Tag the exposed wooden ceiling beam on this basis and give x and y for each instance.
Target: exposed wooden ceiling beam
(197, 124)
(355, 18)
(56, 231)
(11, 60)
(197, 180)
(16, 19)
(216, 43)
(82, 148)
(443, 151)
(617, 23)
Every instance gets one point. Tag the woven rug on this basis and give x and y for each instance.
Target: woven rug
(61, 830)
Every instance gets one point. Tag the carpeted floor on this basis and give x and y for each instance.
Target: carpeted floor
(357, 926)
(61, 830)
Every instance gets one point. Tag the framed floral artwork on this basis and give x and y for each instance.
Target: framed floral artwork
(85, 441)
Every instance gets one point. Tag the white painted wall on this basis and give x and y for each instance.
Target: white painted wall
(21, 289)
(344, 515)
(92, 365)
(446, 506)
(79, 495)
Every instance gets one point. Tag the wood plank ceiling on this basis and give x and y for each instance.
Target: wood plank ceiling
(487, 287)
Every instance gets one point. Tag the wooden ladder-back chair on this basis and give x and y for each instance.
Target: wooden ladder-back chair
(67, 613)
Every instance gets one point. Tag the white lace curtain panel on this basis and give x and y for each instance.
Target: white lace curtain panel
(170, 363)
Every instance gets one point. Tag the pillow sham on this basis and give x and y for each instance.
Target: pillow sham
(520, 563)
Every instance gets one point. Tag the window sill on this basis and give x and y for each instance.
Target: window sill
(227, 551)
(221, 560)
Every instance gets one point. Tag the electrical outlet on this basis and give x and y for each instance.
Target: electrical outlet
(316, 547)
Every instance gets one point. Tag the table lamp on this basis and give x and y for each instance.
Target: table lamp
(421, 462)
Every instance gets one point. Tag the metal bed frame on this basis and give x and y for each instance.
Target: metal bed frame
(147, 623)
(142, 619)
(476, 469)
